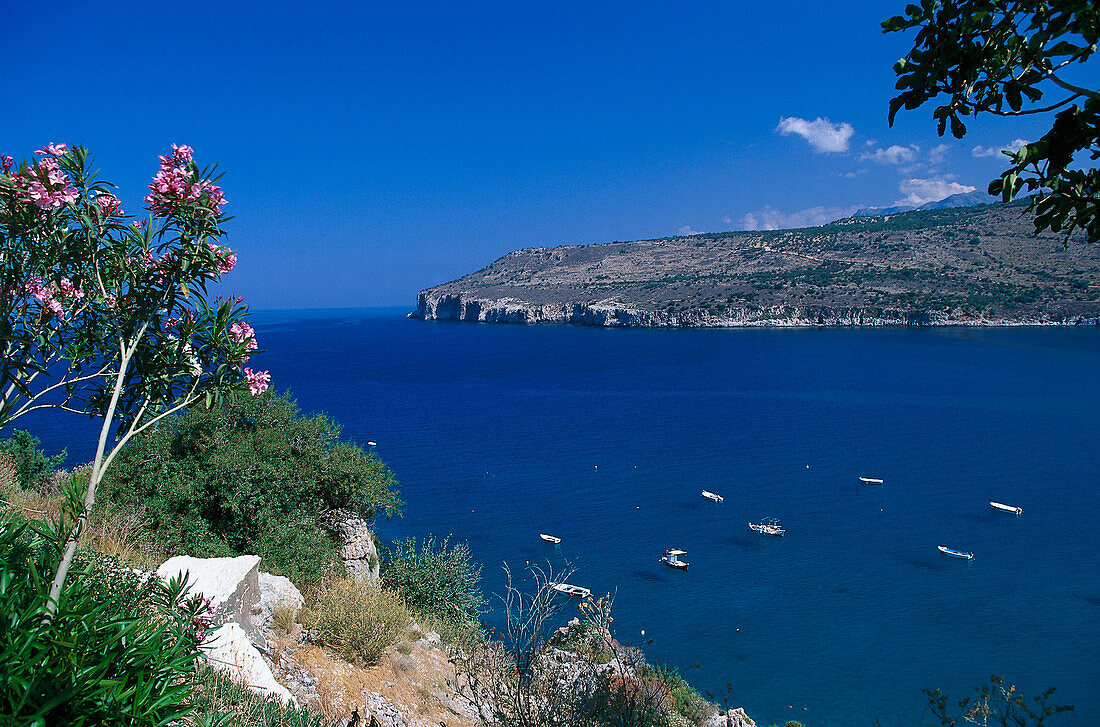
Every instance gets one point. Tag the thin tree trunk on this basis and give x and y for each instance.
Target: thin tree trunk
(89, 496)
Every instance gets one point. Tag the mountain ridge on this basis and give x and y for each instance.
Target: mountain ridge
(975, 265)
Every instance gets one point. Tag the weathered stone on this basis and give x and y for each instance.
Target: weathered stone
(231, 651)
(732, 718)
(358, 551)
(232, 584)
(275, 592)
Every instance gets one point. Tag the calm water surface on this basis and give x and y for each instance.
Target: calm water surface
(606, 438)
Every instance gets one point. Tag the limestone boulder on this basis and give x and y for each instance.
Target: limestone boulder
(230, 651)
(275, 592)
(232, 584)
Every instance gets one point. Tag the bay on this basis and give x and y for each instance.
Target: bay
(605, 438)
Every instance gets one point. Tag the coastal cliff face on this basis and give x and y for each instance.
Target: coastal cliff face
(463, 307)
(965, 266)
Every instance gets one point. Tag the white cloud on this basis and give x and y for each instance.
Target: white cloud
(981, 151)
(770, 218)
(822, 134)
(728, 220)
(686, 230)
(936, 155)
(920, 191)
(892, 154)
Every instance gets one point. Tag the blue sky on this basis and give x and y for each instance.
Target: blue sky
(374, 149)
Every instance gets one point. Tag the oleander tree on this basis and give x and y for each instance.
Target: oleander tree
(107, 315)
(1011, 58)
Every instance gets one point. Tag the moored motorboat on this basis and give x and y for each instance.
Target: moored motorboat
(871, 480)
(671, 558)
(1006, 508)
(713, 496)
(955, 553)
(569, 589)
(768, 526)
(550, 538)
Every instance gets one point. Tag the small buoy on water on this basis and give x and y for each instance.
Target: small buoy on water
(805, 708)
(643, 632)
(471, 510)
(790, 706)
(738, 629)
(595, 466)
(807, 466)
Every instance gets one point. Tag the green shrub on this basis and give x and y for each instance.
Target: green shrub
(32, 465)
(687, 702)
(251, 475)
(359, 619)
(94, 665)
(437, 578)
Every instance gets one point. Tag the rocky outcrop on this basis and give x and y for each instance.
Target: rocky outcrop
(275, 592)
(230, 650)
(610, 313)
(359, 553)
(732, 718)
(232, 584)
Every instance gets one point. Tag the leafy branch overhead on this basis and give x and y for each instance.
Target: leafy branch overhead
(1012, 59)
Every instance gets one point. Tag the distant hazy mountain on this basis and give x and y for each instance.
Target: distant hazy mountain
(969, 265)
(963, 199)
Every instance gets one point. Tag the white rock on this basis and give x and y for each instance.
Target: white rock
(358, 551)
(231, 583)
(275, 592)
(230, 651)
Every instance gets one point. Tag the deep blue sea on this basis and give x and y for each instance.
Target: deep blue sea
(606, 438)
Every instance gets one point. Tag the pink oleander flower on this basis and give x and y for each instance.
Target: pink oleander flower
(241, 332)
(54, 150)
(176, 183)
(227, 259)
(6, 161)
(258, 381)
(109, 205)
(68, 289)
(46, 185)
(171, 323)
(138, 224)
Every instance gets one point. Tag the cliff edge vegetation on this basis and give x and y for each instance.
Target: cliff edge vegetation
(959, 266)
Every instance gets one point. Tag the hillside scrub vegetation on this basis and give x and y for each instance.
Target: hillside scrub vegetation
(436, 578)
(252, 475)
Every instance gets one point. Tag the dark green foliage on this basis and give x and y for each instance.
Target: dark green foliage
(1000, 57)
(251, 475)
(437, 578)
(220, 702)
(93, 666)
(31, 463)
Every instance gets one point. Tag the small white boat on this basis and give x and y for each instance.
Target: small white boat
(671, 558)
(713, 496)
(955, 553)
(1006, 508)
(871, 480)
(569, 589)
(768, 526)
(550, 538)
(372, 444)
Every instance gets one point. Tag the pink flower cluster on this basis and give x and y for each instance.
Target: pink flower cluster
(6, 162)
(45, 184)
(243, 333)
(258, 381)
(109, 205)
(44, 296)
(67, 290)
(177, 182)
(227, 259)
(203, 618)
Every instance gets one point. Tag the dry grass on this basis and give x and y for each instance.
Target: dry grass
(419, 684)
(31, 504)
(284, 617)
(359, 619)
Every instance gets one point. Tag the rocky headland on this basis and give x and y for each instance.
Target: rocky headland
(980, 265)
